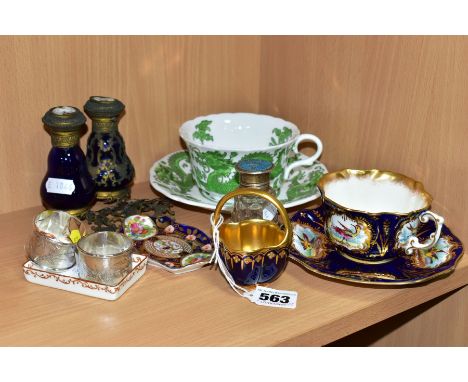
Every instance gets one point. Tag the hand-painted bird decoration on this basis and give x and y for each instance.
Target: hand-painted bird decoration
(347, 232)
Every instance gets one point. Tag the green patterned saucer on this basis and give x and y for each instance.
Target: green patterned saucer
(172, 177)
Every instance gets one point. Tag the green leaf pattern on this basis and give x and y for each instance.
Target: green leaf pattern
(282, 136)
(175, 173)
(216, 169)
(202, 131)
(303, 183)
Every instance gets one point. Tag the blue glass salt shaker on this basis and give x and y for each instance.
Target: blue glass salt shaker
(108, 162)
(67, 185)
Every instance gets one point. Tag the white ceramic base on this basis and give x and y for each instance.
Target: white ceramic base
(71, 282)
(177, 271)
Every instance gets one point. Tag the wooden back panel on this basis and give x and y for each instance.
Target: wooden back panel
(397, 103)
(162, 80)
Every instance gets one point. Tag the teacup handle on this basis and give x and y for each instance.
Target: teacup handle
(306, 161)
(413, 241)
(265, 195)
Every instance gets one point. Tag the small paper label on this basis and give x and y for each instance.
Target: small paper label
(75, 236)
(63, 110)
(60, 186)
(269, 212)
(274, 298)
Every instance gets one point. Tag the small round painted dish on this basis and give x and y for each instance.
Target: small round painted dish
(178, 248)
(195, 258)
(172, 177)
(312, 250)
(168, 247)
(139, 227)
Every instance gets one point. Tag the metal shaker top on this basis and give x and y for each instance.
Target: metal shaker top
(254, 173)
(103, 107)
(64, 119)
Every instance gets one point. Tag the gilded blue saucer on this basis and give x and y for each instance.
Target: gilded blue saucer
(312, 249)
(178, 248)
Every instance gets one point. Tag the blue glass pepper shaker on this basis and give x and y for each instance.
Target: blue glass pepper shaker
(67, 185)
(108, 162)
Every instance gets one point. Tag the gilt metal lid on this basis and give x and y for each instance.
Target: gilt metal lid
(98, 106)
(254, 173)
(64, 119)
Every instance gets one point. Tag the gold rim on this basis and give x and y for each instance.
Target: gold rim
(342, 278)
(79, 211)
(375, 174)
(265, 195)
(367, 262)
(110, 195)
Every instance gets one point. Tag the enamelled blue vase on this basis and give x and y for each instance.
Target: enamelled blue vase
(108, 162)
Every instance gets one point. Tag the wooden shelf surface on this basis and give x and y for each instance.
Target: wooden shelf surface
(194, 309)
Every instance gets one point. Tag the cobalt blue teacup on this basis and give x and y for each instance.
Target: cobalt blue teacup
(373, 216)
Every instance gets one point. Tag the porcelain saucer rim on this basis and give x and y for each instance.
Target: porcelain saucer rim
(203, 204)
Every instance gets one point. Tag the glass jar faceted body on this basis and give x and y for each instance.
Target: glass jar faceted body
(254, 174)
(248, 207)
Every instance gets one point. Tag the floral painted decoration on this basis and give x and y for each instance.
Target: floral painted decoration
(195, 258)
(206, 248)
(169, 247)
(169, 229)
(178, 245)
(139, 227)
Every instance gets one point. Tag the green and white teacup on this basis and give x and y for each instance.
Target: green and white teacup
(217, 142)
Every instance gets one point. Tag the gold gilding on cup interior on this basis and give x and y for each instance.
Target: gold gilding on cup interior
(254, 244)
(374, 174)
(253, 235)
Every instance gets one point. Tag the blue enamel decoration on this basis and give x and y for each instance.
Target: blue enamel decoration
(367, 237)
(106, 156)
(265, 266)
(313, 250)
(178, 245)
